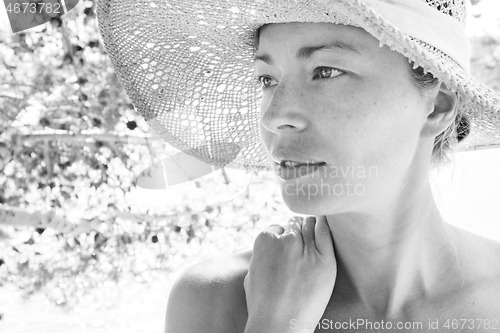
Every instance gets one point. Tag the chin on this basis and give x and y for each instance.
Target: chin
(308, 204)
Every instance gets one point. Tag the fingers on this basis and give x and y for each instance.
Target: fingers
(314, 233)
(323, 236)
(287, 234)
(275, 229)
(308, 232)
(294, 226)
(300, 231)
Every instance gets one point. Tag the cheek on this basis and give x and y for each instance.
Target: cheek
(395, 125)
(370, 125)
(349, 118)
(265, 136)
(401, 113)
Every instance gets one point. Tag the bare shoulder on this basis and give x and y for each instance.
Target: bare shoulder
(482, 253)
(481, 259)
(209, 296)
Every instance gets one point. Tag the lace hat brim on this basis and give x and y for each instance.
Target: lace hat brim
(188, 68)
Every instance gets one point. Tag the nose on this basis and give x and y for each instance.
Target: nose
(285, 109)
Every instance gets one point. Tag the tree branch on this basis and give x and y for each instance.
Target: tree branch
(22, 217)
(84, 136)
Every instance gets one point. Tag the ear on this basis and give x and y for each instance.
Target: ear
(442, 111)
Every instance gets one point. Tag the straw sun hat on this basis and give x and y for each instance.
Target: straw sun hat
(188, 65)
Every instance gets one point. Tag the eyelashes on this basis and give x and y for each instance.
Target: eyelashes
(264, 80)
(326, 72)
(322, 72)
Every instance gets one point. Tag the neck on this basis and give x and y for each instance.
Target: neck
(389, 258)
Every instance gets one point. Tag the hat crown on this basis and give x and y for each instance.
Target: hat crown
(454, 8)
(188, 65)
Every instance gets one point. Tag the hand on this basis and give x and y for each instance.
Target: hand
(291, 277)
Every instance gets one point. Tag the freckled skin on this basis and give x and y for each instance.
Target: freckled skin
(371, 116)
(396, 257)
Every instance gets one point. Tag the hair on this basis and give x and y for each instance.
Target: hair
(459, 129)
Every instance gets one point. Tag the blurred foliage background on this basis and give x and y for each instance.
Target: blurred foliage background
(70, 149)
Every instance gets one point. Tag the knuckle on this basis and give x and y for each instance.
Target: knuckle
(290, 235)
(290, 238)
(310, 221)
(267, 235)
(264, 239)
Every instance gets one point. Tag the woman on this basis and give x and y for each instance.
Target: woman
(351, 122)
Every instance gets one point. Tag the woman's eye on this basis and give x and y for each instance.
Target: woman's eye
(265, 81)
(327, 72)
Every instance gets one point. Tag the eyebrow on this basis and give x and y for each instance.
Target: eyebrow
(307, 51)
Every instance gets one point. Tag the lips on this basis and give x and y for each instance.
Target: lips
(295, 164)
(292, 157)
(296, 171)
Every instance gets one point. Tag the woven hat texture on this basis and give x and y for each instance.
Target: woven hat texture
(188, 68)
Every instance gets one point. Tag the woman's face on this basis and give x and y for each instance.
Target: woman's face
(332, 95)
